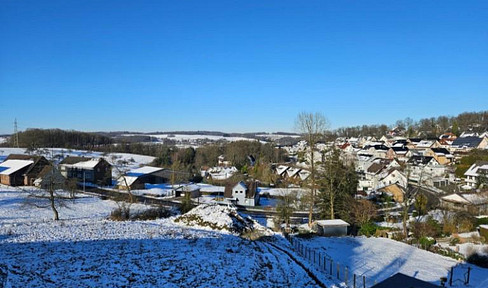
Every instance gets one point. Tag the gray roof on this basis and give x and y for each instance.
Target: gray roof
(400, 280)
(471, 142)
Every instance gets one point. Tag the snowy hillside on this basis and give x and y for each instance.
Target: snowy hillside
(57, 154)
(85, 249)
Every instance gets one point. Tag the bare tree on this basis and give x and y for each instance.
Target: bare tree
(53, 185)
(363, 211)
(313, 127)
(286, 206)
(122, 167)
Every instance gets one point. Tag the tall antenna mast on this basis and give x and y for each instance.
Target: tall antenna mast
(16, 134)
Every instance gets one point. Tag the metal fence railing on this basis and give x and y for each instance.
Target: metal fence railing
(327, 265)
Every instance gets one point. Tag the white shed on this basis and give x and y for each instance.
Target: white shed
(335, 227)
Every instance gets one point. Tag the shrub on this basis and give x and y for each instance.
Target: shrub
(368, 229)
(153, 213)
(482, 221)
(426, 242)
(186, 204)
(454, 241)
(121, 213)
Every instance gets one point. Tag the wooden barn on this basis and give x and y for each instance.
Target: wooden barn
(92, 170)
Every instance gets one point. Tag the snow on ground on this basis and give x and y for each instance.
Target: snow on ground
(380, 258)
(85, 250)
(194, 137)
(224, 218)
(133, 160)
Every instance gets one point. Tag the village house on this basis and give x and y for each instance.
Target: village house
(466, 144)
(474, 203)
(12, 171)
(378, 151)
(188, 189)
(413, 142)
(138, 178)
(394, 190)
(50, 177)
(242, 194)
(475, 173)
(423, 168)
(442, 155)
(446, 139)
(219, 173)
(91, 170)
(426, 144)
(393, 176)
(32, 173)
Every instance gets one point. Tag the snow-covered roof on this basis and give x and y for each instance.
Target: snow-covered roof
(332, 223)
(11, 166)
(143, 171)
(292, 171)
(280, 169)
(455, 198)
(88, 164)
(473, 170)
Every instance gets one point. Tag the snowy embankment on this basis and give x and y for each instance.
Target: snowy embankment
(379, 258)
(85, 250)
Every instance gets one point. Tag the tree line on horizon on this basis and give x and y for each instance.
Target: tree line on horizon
(425, 127)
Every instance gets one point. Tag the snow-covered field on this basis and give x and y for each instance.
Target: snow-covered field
(193, 137)
(84, 249)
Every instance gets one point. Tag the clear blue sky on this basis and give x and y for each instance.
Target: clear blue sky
(238, 66)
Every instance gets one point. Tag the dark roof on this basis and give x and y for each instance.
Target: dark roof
(418, 159)
(472, 142)
(401, 141)
(22, 157)
(414, 140)
(375, 168)
(400, 280)
(38, 165)
(441, 150)
(398, 149)
(74, 160)
(376, 147)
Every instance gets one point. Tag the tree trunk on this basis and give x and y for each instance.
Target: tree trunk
(53, 205)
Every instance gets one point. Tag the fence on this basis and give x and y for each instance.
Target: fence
(326, 264)
(458, 275)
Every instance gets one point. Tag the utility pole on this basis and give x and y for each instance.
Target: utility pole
(16, 134)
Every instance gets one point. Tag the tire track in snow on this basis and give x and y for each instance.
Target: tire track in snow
(294, 259)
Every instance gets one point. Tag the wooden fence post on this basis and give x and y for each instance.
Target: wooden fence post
(450, 277)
